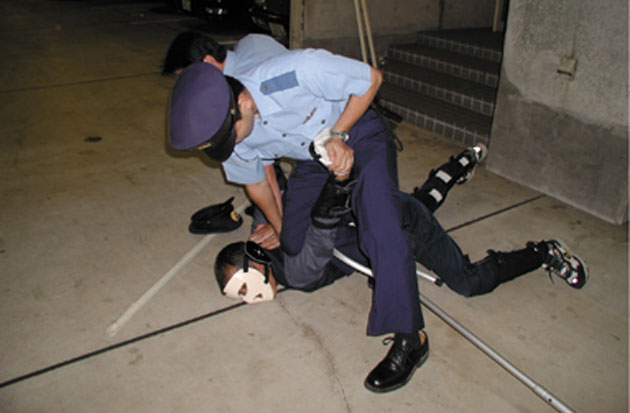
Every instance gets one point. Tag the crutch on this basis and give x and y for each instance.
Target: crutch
(535, 387)
(365, 270)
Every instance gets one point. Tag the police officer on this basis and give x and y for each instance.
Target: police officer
(276, 110)
(192, 47)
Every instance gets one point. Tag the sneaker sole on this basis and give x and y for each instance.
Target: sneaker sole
(564, 246)
(484, 151)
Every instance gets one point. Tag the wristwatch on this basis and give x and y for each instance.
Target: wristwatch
(343, 135)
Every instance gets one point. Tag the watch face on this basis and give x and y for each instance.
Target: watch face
(343, 135)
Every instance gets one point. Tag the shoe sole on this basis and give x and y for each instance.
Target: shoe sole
(401, 384)
(567, 250)
(484, 151)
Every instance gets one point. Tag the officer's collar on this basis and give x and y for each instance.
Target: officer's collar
(228, 69)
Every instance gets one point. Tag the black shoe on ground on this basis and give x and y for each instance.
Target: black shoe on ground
(566, 265)
(396, 369)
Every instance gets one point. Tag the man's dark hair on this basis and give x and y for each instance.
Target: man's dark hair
(236, 86)
(191, 47)
(231, 255)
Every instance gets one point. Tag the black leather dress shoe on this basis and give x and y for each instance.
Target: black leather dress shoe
(396, 369)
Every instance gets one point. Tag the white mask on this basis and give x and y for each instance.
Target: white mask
(258, 290)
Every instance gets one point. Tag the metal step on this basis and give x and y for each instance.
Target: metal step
(480, 43)
(451, 89)
(438, 116)
(445, 61)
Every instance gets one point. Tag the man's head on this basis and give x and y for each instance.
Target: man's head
(243, 271)
(192, 47)
(210, 112)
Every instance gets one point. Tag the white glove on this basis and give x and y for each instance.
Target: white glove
(319, 146)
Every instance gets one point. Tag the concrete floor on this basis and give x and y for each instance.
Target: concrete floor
(86, 228)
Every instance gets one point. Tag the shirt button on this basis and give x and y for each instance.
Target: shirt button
(265, 122)
(323, 121)
(303, 143)
(284, 135)
(265, 88)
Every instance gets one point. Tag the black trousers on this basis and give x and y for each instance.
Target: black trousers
(438, 252)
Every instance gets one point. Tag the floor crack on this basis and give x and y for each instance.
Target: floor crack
(310, 333)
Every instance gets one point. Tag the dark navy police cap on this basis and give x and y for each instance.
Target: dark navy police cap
(215, 218)
(203, 112)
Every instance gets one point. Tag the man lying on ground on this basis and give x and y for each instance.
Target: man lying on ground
(247, 271)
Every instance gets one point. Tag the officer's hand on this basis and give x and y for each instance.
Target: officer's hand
(341, 156)
(265, 236)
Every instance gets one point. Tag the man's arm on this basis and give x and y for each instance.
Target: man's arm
(262, 195)
(357, 105)
(341, 155)
(270, 172)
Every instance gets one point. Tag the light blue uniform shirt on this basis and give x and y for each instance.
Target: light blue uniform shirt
(297, 94)
(249, 52)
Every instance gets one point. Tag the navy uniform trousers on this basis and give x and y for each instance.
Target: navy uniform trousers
(377, 208)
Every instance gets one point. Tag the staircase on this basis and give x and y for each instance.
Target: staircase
(446, 82)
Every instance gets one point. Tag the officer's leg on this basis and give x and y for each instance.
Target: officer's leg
(303, 188)
(396, 306)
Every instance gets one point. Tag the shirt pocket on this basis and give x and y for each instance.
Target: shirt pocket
(279, 83)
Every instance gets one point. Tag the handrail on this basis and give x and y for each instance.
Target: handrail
(363, 20)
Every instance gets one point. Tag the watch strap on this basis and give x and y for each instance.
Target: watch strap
(343, 135)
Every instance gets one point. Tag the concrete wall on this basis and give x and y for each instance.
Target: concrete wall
(566, 134)
(467, 14)
(332, 24)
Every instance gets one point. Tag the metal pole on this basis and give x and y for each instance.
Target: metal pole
(535, 387)
(357, 10)
(365, 270)
(368, 32)
(498, 10)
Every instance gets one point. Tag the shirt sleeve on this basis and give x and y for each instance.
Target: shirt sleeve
(251, 51)
(259, 44)
(333, 77)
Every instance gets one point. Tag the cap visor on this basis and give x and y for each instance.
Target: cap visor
(221, 152)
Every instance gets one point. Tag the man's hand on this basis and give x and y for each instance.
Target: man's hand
(265, 236)
(262, 195)
(341, 156)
